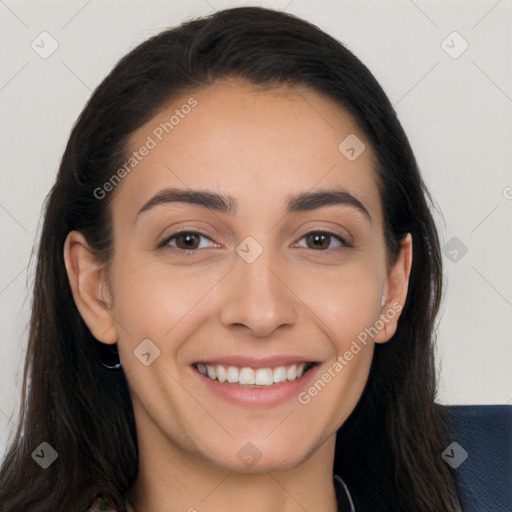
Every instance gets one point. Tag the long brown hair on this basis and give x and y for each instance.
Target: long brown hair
(389, 450)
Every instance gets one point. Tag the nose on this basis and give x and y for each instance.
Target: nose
(256, 296)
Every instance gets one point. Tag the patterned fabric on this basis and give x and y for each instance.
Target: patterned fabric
(101, 504)
(345, 503)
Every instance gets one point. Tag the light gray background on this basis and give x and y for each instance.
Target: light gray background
(456, 111)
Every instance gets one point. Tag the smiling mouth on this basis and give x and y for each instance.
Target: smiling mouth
(246, 376)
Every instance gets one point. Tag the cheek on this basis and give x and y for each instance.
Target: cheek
(154, 300)
(347, 311)
(346, 300)
(347, 307)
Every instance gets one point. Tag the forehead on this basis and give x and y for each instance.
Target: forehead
(252, 143)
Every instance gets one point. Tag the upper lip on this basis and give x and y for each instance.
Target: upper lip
(257, 362)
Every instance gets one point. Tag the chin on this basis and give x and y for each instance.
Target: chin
(257, 456)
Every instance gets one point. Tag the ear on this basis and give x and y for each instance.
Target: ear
(89, 287)
(395, 292)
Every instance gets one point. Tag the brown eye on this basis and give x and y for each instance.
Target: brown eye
(322, 241)
(318, 241)
(186, 241)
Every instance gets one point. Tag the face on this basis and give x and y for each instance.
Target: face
(248, 269)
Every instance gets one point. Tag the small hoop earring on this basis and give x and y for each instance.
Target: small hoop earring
(116, 366)
(115, 360)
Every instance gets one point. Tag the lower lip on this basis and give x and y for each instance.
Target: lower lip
(257, 396)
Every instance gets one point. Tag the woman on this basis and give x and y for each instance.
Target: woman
(227, 311)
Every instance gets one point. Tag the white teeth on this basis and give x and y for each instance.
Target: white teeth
(291, 373)
(211, 371)
(279, 374)
(264, 377)
(221, 373)
(232, 374)
(249, 377)
(246, 376)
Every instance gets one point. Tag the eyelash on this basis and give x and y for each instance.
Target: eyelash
(166, 242)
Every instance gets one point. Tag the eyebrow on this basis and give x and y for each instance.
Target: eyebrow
(223, 203)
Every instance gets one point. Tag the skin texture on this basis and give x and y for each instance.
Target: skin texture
(258, 146)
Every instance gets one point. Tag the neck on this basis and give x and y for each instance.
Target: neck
(171, 480)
